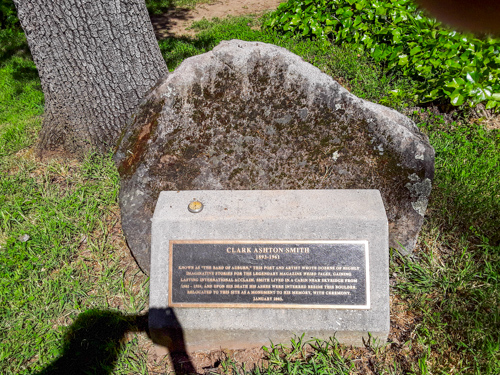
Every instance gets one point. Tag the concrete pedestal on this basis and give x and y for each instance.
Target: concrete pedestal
(269, 216)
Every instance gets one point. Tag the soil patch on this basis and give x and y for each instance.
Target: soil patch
(175, 22)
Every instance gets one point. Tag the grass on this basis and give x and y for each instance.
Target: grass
(454, 284)
(21, 97)
(60, 254)
(159, 7)
(469, 190)
(61, 249)
(315, 356)
(67, 280)
(456, 294)
(355, 71)
(301, 357)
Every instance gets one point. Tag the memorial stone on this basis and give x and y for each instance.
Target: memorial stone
(253, 116)
(237, 269)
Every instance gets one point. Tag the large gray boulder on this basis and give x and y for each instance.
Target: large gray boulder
(251, 115)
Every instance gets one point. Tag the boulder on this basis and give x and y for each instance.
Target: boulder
(250, 115)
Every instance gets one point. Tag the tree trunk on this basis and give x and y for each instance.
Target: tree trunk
(96, 60)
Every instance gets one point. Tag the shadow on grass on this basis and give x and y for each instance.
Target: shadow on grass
(94, 341)
(13, 43)
(157, 7)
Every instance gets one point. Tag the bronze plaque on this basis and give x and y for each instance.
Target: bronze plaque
(286, 274)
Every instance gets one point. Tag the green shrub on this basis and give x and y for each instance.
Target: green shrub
(8, 15)
(446, 64)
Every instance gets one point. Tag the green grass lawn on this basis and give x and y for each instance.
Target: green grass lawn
(67, 281)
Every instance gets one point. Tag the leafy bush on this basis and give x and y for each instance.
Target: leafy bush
(8, 15)
(446, 64)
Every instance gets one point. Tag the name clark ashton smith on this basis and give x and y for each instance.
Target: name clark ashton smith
(268, 250)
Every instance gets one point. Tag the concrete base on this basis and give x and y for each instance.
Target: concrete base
(268, 215)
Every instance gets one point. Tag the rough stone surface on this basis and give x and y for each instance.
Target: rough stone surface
(268, 215)
(250, 115)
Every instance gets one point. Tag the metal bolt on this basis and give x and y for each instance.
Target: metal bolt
(195, 206)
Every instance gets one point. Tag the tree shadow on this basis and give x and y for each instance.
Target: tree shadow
(157, 7)
(163, 23)
(23, 72)
(13, 43)
(94, 341)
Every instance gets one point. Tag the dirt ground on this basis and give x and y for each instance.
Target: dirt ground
(175, 22)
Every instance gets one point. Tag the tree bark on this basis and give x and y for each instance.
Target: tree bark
(96, 60)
